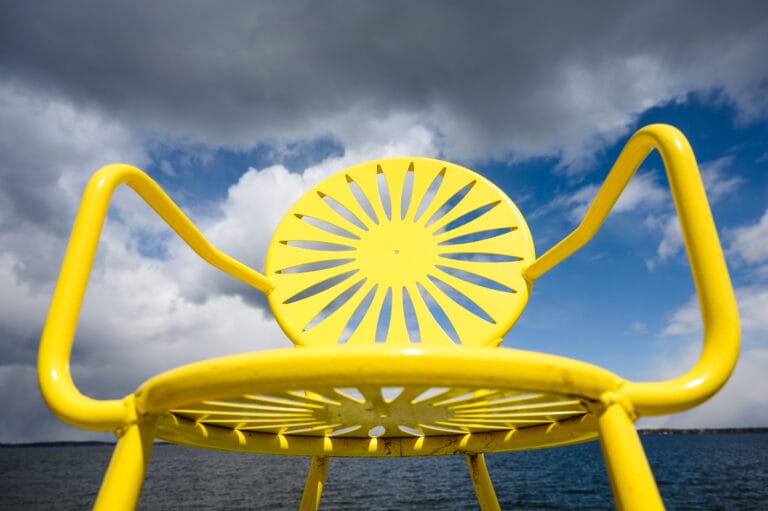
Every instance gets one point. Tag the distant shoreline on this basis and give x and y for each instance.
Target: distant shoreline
(642, 431)
(69, 443)
(698, 431)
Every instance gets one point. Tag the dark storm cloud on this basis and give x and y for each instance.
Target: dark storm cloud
(525, 77)
(47, 148)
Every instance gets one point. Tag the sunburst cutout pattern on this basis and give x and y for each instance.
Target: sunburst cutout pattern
(373, 411)
(400, 251)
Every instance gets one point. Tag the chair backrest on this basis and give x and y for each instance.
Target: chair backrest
(400, 250)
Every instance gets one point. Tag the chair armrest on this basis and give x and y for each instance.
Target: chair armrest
(710, 274)
(54, 376)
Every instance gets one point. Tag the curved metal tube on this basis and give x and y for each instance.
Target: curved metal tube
(54, 376)
(710, 274)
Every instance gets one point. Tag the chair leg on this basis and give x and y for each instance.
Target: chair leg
(313, 489)
(481, 480)
(125, 475)
(632, 482)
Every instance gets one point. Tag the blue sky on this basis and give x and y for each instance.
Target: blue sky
(239, 109)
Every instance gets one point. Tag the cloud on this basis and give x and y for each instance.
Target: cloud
(47, 150)
(685, 320)
(718, 184)
(643, 194)
(465, 82)
(143, 312)
(753, 302)
(743, 401)
(672, 240)
(25, 416)
(749, 244)
(151, 327)
(257, 202)
(22, 311)
(493, 80)
(646, 196)
(638, 327)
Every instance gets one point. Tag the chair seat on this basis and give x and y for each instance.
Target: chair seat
(378, 401)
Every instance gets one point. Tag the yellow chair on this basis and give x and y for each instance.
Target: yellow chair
(397, 280)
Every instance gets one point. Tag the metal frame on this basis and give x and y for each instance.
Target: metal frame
(611, 404)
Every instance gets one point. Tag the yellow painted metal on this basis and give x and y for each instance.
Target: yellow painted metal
(632, 482)
(710, 274)
(313, 489)
(556, 433)
(393, 241)
(481, 481)
(54, 376)
(389, 366)
(387, 411)
(125, 475)
(404, 400)
(567, 432)
(395, 277)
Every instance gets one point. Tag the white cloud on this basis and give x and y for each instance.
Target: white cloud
(685, 320)
(642, 194)
(718, 185)
(257, 202)
(638, 327)
(672, 240)
(64, 113)
(717, 182)
(141, 315)
(48, 149)
(645, 195)
(749, 244)
(753, 308)
(577, 202)
(752, 302)
(605, 96)
(743, 401)
(22, 311)
(179, 309)
(134, 321)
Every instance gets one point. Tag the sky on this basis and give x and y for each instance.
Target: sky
(236, 108)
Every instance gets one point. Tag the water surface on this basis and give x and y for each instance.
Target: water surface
(727, 471)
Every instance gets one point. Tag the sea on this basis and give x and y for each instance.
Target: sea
(710, 471)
